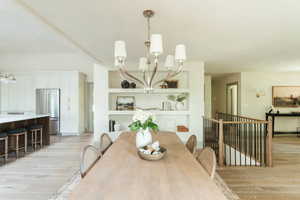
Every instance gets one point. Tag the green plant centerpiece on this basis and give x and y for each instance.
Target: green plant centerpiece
(179, 100)
(143, 122)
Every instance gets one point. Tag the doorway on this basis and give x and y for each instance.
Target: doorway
(232, 98)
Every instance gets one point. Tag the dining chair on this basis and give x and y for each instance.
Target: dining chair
(105, 142)
(89, 157)
(207, 158)
(191, 144)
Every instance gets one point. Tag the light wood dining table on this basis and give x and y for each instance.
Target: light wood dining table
(122, 175)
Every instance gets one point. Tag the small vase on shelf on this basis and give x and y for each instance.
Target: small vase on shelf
(179, 106)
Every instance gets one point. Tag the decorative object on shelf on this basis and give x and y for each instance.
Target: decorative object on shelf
(286, 96)
(147, 109)
(125, 103)
(125, 84)
(143, 122)
(164, 85)
(154, 48)
(181, 128)
(7, 78)
(166, 106)
(132, 85)
(117, 126)
(179, 100)
(172, 83)
(152, 152)
(112, 125)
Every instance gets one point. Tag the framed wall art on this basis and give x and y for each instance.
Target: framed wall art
(125, 103)
(286, 96)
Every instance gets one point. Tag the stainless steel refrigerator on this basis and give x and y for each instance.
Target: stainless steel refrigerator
(48, 102)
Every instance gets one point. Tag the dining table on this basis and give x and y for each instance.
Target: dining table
(122, 175)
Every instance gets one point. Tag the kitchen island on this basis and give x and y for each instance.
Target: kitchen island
(9, 122)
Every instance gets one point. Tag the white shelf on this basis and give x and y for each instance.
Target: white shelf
(142, 91)
(156, 112)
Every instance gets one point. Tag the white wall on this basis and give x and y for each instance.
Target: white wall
(101, 105)
(256, 107)
(21, 95)
(196, 84)
(207, 96)
(82, 102)
(47, 62)
(219, 85)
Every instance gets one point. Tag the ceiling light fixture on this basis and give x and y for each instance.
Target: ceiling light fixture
(154, 50)
(7, 78)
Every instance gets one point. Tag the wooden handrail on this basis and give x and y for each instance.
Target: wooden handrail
(269, 145)
(249, 122)
(244, 117)
(211, 119)
(221, 144)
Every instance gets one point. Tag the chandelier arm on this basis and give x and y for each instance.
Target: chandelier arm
(169, 76)
(144, 78)
(129, 76)
(153, 74)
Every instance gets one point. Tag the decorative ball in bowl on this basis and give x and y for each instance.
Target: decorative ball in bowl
(150, 154)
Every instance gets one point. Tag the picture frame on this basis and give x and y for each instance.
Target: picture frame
(286, 96)
(125, 103)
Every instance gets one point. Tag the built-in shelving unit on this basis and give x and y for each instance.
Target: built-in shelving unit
(190, 81)
(167, 119)
(156, 112)
(142, 91)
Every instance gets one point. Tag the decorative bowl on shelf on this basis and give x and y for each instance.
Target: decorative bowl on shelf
(152, 156)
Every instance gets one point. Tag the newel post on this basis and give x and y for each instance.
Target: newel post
(221, 144)
(269, 144)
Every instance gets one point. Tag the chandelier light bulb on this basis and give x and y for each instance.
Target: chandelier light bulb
(143, 65)
(170, 62)
(117, 63)
(156, 47)
(180, 54)
(120, 50)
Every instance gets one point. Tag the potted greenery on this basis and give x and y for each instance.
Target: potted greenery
(179, 100)
(142, 123)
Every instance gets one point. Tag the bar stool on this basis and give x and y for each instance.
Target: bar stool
(4, 146)
(35, 134)
(298, 131)
(17, 140)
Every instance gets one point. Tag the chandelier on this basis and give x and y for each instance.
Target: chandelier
(154, 49)
(7, 78)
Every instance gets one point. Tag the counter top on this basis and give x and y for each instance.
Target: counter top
(13, 118)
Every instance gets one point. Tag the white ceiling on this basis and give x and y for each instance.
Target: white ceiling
(229, 35)
(21, 32)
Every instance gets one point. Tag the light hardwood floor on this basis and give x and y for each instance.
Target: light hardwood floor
(282, 182)
(40, 174)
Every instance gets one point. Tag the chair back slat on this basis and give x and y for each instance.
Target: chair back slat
(207, 158)
(89, 157)
(105, 142)
(191, 144)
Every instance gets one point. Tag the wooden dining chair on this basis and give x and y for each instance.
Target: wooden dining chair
(89, 157)
(105, 142)
(207, 158)
(191, 144)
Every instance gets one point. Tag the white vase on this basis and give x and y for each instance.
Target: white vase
(143, 138)
(179, 106)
